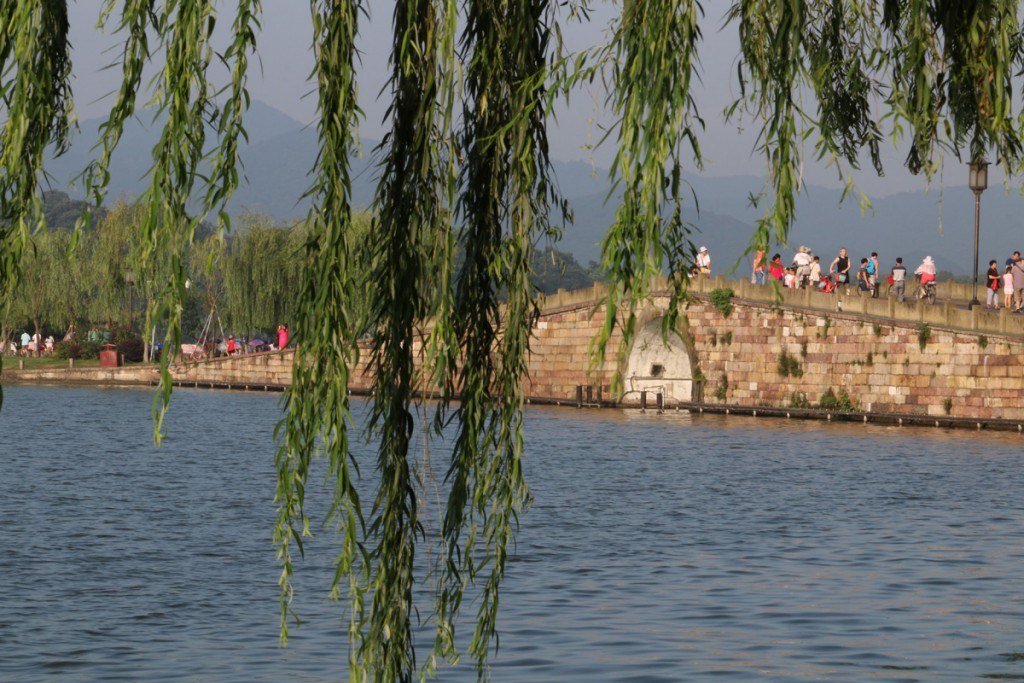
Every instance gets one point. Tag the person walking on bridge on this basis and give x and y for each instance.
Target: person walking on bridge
(1018, 281)
(757, 275)
(874, 271)
(899, 279)
(993, 285)
(841, 267)
(802, 264)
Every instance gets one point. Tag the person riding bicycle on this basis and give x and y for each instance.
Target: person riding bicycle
(926, 276)
(926, 271)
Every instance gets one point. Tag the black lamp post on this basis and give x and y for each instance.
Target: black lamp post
(978, 181)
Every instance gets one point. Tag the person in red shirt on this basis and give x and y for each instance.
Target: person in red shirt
(231, 345)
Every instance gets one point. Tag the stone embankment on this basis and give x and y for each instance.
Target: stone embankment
(257, 371)
(774, 351)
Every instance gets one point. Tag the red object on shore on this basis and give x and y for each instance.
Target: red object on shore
(109, 357)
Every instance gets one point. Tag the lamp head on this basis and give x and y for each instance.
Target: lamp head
(978, 175)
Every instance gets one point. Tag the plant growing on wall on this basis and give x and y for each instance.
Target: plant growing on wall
(823, 332)
(798, 399)
(723, 387)
(924, 333)
(789, 366)
(841, 403)
(721, 299)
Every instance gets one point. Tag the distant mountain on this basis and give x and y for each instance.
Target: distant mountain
(62, 212)
(281, 151)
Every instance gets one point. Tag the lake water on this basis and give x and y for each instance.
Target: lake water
(659, 548)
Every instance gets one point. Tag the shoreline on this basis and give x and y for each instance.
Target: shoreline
(146, 376)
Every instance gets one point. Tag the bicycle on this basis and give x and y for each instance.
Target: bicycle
(925, 291)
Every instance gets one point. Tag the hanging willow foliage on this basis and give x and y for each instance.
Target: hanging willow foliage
(35, 94)
(465, 169)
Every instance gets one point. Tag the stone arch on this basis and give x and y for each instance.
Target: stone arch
(659, 365)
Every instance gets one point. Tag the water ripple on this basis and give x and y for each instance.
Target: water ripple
(658, 548)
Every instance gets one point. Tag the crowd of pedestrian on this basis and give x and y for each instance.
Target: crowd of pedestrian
(805, 270)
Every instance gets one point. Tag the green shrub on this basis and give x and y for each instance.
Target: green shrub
(132, 349)
(77, 349)
(947, 405)
(798, 399)
(841, 403)
(121, 334)
(90, 349)
(721, 298)
(982, 341)
(723, 388)
(68, 349)
(789, 366)
(924, 333)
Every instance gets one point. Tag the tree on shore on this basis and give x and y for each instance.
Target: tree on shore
(465, 167)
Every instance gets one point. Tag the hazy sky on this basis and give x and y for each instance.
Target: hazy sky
(280, 80)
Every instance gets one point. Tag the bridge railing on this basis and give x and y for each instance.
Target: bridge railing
(949, 310)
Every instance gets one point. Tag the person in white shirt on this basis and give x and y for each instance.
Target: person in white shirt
(815, 273)
(802, 263)
(926, 270)
(704, 262)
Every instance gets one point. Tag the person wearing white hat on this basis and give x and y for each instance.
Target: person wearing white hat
(704, 262)
(926, 270)
(802, 263)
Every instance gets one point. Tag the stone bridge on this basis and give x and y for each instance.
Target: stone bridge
(783, 350)
(774, 349)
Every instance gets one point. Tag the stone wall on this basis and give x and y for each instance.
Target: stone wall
(970, 364)
(560, 358)
(778, 357)
(134, 374)
(256, 369)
